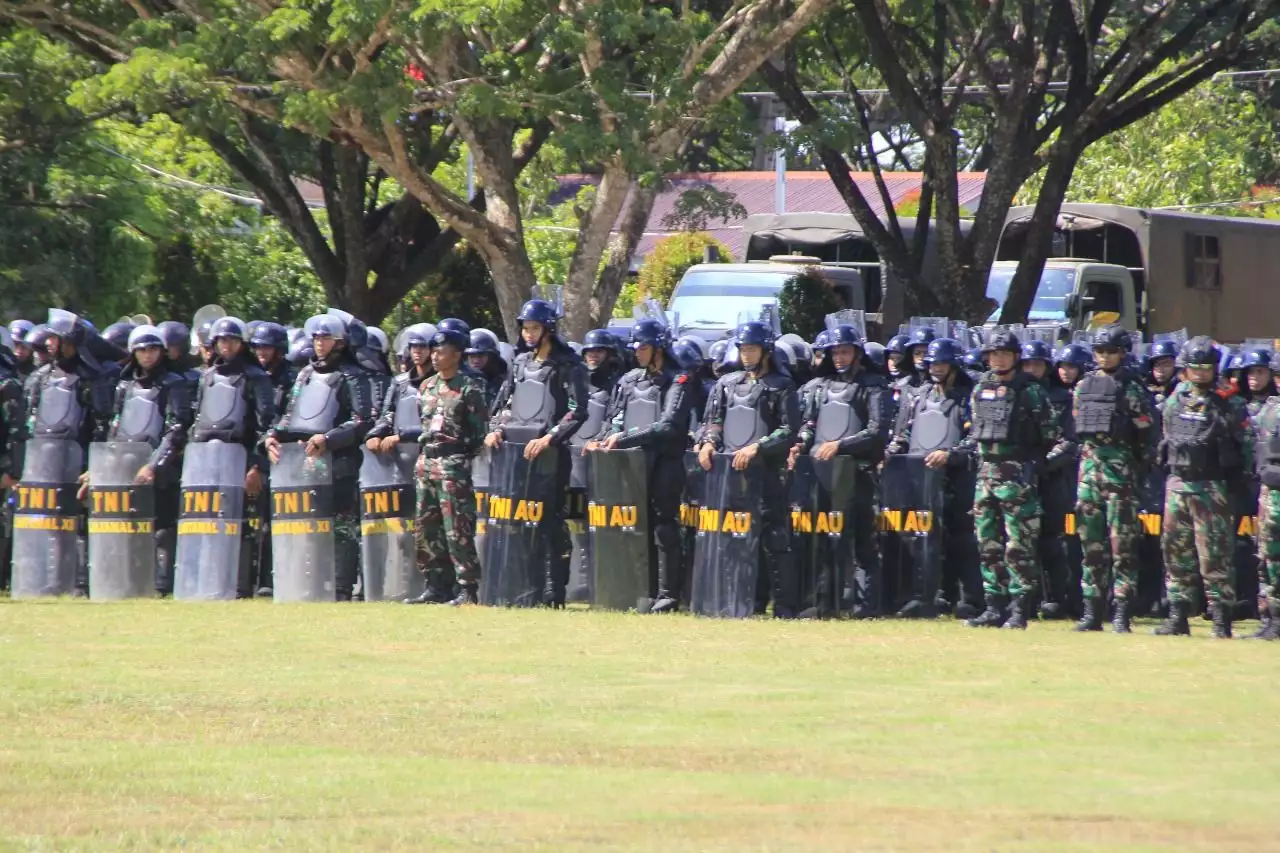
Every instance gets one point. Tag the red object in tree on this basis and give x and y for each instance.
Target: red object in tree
(415, 72)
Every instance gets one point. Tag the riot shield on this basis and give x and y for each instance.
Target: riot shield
(726, 555)
(122, 520)
(520, 493)
(388, 500)
(911, 501)
(302, 525)
(480, 482)
(578, 588)
(618, 527)
(689, 502)
(45, 553)
(210, 522)
(821, 491)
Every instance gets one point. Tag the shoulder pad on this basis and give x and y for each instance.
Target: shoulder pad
(404, 378)
(870, 379)
(254, 371)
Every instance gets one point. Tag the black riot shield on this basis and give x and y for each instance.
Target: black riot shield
(45, 553)
(520, 494)
(302, 525)
(726, 555)
(575, 519)
(122, 520)
(821, 492)
(210, 521)
(1151, 589)
(911, 501)
(694, 479)
(618, 529)
(388, 500)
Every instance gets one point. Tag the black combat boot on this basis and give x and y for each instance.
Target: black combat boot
(1271, 628)
(670, 572)
(430, 595)
(1120, 619)
(1222, 612)
(1091, 620)
(466, 595)
(1018, 606)
(166, 549)
(992, 617)
(1176, 625)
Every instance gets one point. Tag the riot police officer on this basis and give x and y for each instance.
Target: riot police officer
(330, 410)
(270, 344)
(484, 357)
(754, 412)
(177, 343)
(845, 414)
(651, 410)
(1206, 446)
(24, 363)
(10, 436)
(1013, 426)
(1267, 434)
(543, 404)
(400, 415)
(1113, 420)
(154, 405)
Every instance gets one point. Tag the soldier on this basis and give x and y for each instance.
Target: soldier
(1255, 385)
(400, 414)
(602, 354)
(24, 363)
(975, 363)
(651, 409)
(754, 412)
(484, 357)
(895, 355)
(543, 404)
(10, 436)
(454, 422)
(1206, 446)
(845, 414)
(1267, 434)
(948, 394)
(177, 342)
(329, 410)
(154, 405)
(1113, 421)
(1013, 424)
(270, 344)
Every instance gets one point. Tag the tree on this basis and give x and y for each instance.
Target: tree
(804, 303)
(1050, 79)
(670, 258)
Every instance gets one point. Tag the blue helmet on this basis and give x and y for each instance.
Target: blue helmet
(1235, 362)
(357, 333)
(226, 327)
(973, 359)
(944, 351)
(18, 330)
(419, 335)
(843, 335)
(452, 337)
(483, 341)
(875, 353)
(599, 339)
(782, 360)
(117, 334)
(921, 336)
(716, 355)
(897, 344)
(175, 334)
(453, 324)
(1075, 355)
(690, 352)
(268, 334)
(1255, 357)
(539, 311)
(650, 332)
(1162, 348)
(145, 336)
(754, 332)
(1037, 351)
(820, 342)
(38, 335)
(327, 326)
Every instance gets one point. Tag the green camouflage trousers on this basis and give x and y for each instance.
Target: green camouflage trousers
(1268, 543)
(1198, 537)
(446, 532)
(1006, 518)
(1107, 509)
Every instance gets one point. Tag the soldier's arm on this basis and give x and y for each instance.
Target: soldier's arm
(357, 390)
(573, 379)
(615, 413)
(116, 408)
(102, 398)
(177, 422)
(10, 426)
(901, 438)
(808, 418)
(384, 422)
(262, 400)
(1143, 416)
(1060, 450)
(874, 435)
(501, 411)
(674, 418)
(787, 408)
(712, 431)
(476, 424)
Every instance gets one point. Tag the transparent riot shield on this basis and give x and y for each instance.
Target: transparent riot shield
(210, 522)
(388, 503)
(578, 588)
(122, 518)
(520, 494)
(46, 512)
(480, 482)
(619, 531)
(821, 492)
(302, 525)
(726, 556)
(911, 499)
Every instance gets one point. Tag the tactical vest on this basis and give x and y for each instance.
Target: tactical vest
(1198, 443)
(532, 404)
(141, 418)
(938, 423)
(597, 406)
(315, 410)
(743, 422)
(1000, 415)
(408, 417)
(644, 405)
(379, 385)
(1101, 409)
(222, 408)
(60, 414)
(837, 416)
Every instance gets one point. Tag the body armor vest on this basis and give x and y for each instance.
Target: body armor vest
(1198, 443)
(60, 414)
(837, 417)
(379, 385)
(315, 411)
(938, 424)
(743, 422)
(532, 404)
(597, 404)
(1100, 407)
(644, 405)
(222, 408)
(408, 417)
(1268, 463)
(140, 417)
(999, 415)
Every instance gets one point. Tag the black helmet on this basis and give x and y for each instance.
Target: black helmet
(1200, 351)
(754, 332)
(452, 337)
(175, 334)
(1037, 351)
(268, 334)
(973, 359)
(717, 350)
(1003, 339)
(539, 311)
(650, 332)
(944, 351)
(1162, 348)
(1113, 336)
(599, 339)
(227, 327)
(117, 334)
(483, 342)
(453, 324)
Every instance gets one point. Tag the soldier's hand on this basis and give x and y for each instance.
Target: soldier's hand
(493, 440)
(388, 444)
(83, 491)
(253, 483)
(420, 468)
(273, 449)
(743, 457)
(611, 443)
(937, 459)
(590, 447)
(374, 445)
(7, 482)
(315, 445)
(705, 455)
(534, 449)
(826, 450)
(792, 455)
(146, 476)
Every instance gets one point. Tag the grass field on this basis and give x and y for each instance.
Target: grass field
(155, 725)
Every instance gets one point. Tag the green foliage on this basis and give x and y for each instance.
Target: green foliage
(461, 288)
(804, 302)
(697, 207)
(669, 260)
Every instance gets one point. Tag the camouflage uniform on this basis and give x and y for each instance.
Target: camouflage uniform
(1198, 509)
(455, 419)
(11, 431)
(1107, 498)
(1265, 427)
(1006, 506)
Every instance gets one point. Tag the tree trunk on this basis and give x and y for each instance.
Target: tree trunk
(594, 230)
(623, 250)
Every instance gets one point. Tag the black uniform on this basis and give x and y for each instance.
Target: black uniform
(1058, 497)
(11, 432)
(282, 375)
(400, 411)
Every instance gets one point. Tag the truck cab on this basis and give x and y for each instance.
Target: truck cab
(1079, 293)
